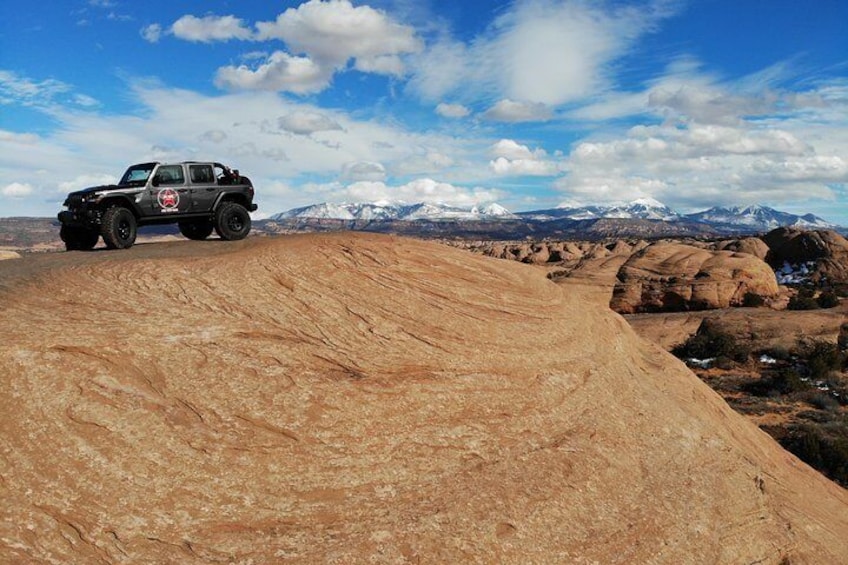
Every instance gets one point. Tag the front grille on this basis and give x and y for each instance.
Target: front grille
(74, 201)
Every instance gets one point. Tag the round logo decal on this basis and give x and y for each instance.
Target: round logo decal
(169, 199)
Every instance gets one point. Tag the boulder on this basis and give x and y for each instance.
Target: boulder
(750, 245)
(823, 254)
(667, 277)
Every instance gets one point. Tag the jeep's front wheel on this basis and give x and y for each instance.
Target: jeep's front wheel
(78, 239)
(232, 221)
(118, 228)
(197, 229)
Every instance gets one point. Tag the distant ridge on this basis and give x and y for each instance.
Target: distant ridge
(737, 218)
(760, 217)
(395, 211)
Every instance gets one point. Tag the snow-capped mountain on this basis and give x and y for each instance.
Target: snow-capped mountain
(758, 217)
(395, 211)
(643, 208)
(733, 219)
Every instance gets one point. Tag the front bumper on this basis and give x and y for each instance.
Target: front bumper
(81, 217)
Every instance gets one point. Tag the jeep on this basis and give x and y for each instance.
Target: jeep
(198, 196)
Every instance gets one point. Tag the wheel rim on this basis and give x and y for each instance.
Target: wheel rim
(234, 223)
(124, 230)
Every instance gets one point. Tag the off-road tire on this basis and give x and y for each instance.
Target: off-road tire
(232, 221)
(78, 239)
(196, 229)
(118, 227)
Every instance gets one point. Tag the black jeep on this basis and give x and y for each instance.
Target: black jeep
(198, 196)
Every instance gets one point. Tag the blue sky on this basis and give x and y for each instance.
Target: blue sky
(531, 103)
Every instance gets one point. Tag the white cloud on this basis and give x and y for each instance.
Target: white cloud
(214, 135)
(152, 33)
(279, 72)
(420, 190)
(425, 162)
(17, 190)
(364, 171)
(543, 51)
(452, 110)
(513, 150)
(21, 90)
(306, 123)
(512, 158)
(512, 111)
(696, 165)
(335, 31)
(86, 180)
(210, 28)
(172, 123)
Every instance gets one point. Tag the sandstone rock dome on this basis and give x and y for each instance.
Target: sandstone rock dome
(358, 398)
(673, 276)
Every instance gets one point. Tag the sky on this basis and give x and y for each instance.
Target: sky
(531, 104)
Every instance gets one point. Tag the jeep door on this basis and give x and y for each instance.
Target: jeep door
(168, 192)
(204, 187)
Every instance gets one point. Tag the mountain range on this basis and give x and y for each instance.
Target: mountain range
(747, 218)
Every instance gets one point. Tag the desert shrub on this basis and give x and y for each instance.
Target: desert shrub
(799, 302)
(827, 452)
(787, 380)
(724, 363)
(821, 400)
(711, 341)
(779, 353)
(821, 359)
(753, 300)
(827, 299)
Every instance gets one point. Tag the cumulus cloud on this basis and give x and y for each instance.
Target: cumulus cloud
(210, 28)
(512, 158)
(280, 71)
(364, 171)
(321, 38)
(452, 110)
(335, 31)
(701, 165)
(17, 190)
(307, 123)
(512, 111)
(152, 33)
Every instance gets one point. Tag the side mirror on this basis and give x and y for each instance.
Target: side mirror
(155, 181)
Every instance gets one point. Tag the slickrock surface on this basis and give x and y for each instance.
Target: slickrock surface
(358, 398)
(674, 277)
(9, 255)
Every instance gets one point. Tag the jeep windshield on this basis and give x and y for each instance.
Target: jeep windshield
(137, 175)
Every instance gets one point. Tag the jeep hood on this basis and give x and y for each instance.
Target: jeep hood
(91, 189)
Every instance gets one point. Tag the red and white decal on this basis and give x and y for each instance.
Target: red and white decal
(169, 199)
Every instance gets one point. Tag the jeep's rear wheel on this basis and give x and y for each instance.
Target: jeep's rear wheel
(232, 221)
(197, 229)
(118, 228)
(81, 239)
